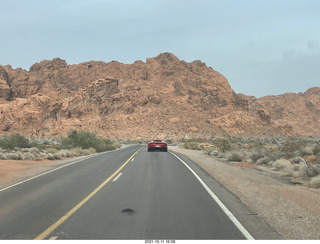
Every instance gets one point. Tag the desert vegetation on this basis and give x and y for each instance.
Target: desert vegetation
(296, 159)
(76, 143)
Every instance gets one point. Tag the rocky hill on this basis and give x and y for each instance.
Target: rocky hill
(163, 97)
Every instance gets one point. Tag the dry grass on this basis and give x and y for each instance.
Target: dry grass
(296, 158)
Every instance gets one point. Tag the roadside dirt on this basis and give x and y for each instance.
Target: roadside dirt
(13, 171)
(292, 210)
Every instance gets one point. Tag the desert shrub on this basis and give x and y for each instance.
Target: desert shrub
(62, 154)
(199, 140)
(2, 156)
(29, 156)
(50, 156)
(77, 151)
(295, 167)
(85, 140)
(297, 160)
(13, 156)
(192, 145)
(67, 153)
(255, 153)
(304, 170)
(14, 140)
(57, 155)
(315, 182)
(214, 153)
(39, 146)
(20, 155)
(88, 151)
(102, 145)
(281, 164)
(81, 139)
(287, 173)
(41, 155)
(255, 156)
(223, 145)
(51, 150)
(34, 150)
(308, 170)
(208, 150)
(275, 155)
(260, 155)
(116, 145)
(284, 166)
(263, 160)
(316, 150)
(220, 155)
(306, 151)
(293, 147)
(236, 156)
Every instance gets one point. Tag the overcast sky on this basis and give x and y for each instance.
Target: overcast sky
(263, 47)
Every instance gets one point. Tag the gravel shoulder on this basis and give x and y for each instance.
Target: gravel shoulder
(292, 210)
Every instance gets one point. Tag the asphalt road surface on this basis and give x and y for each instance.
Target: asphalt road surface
(123, 194)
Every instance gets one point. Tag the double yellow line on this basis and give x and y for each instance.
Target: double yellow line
(72, 211)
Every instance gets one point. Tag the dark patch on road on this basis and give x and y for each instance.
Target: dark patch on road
(128, 211)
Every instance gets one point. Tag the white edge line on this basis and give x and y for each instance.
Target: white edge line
(117, 177)
(53, 238)
(222, 206)
(50, 171)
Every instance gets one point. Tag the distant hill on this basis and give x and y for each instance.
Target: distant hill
(163, 97)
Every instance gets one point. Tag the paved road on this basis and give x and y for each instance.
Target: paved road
(124, 194)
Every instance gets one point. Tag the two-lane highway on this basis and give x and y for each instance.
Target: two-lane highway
(124, 194)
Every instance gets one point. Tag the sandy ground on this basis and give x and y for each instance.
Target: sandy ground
(13, 171)
(292, 210)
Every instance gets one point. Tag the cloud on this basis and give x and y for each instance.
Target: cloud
(313, 45)
(296, 71)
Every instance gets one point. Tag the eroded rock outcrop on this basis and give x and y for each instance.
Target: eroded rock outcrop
(163, 96)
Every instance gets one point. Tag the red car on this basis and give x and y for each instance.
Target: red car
(157, 145)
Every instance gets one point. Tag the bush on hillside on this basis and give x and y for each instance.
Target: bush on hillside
(282, 164)
(293, 147)
(316, 150)
(13, 141)
(223, 145)
(236, 156)
(315, 182)
(192, 145)
(86, 140)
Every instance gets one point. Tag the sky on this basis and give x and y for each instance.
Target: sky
(263, 47)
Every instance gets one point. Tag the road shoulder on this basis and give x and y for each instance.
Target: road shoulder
(259, 201)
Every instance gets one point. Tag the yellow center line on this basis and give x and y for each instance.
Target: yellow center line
(72, 211)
